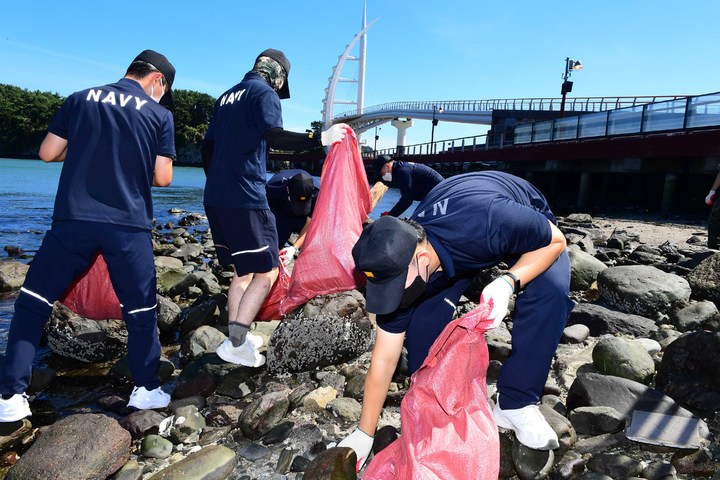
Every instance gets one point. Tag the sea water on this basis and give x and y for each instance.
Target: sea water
(27, 196)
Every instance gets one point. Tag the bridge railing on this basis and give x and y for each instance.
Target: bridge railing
(576, 104)
(461, 144)
(677, 114)
(670, 115)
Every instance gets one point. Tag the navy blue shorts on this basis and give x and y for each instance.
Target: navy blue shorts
(244, 238)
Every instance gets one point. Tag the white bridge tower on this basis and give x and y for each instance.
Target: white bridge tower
(330, 101)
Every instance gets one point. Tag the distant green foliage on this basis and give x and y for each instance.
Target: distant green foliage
(24, 118)
(193, 111)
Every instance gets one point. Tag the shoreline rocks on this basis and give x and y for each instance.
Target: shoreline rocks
(642, 342)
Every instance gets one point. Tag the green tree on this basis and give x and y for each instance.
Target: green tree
(193, 111)
(24, 118)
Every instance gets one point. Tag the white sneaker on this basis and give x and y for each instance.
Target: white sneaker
(14, 408)
(256, 340)
(246, 354)
(529, 425)
(144, 399)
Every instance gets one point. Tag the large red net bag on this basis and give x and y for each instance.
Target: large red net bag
(271, 308)
(448, 429)
(92, 294)
(325, 264)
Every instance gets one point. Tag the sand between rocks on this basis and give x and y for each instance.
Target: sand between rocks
(655, 231)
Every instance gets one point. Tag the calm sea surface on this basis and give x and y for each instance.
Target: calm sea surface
(27, 195)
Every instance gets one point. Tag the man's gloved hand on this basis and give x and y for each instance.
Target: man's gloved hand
(287, 254)
(710, 199)
(334, 134)
(498, 294)
(362, 443)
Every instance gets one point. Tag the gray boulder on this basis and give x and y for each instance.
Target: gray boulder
(264, 414)
(596, 420)
(643, 290)
(584, 269)
(12, 275)
(624, 358)
(85, 446)
(602, 320)
(689, 370)
(595, 389)
(73, 336)
(168, 314)
(705, 279)
(188, 251)
(186, 425)
(169, 272)
(212, 462)
(204, 339)
(694, 316)
(339, 332)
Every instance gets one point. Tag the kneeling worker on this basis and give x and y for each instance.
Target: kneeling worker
(291, 195)
(418, 269)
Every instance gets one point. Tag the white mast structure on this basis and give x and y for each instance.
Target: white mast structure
(330, 101)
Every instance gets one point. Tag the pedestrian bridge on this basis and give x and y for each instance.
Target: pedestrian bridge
(481, 111)
(655, 153)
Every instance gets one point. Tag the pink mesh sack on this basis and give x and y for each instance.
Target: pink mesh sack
(271, 308)
(92, 295)
(448, 429)
(325, 264)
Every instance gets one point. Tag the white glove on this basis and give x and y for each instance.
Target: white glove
(497, 293)
(334, 134)
(710, 199)
(362, 443)
(287, 254)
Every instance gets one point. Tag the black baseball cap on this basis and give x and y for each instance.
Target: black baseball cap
(378, 165)
(383, 253)
(300, 189)
(164, 66)
(279, 57)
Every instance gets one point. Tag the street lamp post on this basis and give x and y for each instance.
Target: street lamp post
(434, 123)
(570, 65)
(377, 137)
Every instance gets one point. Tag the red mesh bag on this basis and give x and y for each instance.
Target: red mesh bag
(92, 295)
(271, 308)
(448, 429)
(325, 264)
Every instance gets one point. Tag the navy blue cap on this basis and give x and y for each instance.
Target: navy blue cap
(383, 253)
(300, 190)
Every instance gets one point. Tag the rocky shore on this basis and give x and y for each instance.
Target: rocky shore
(634, 391)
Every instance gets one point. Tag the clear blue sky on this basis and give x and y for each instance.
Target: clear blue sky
(420, 50)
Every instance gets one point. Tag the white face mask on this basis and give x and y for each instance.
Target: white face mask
(152, 93)
(387, 177)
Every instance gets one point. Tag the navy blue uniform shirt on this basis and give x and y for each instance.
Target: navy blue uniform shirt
(242, 115)
(104, 179)
(477, 220)
(414, 181)
(277, 195)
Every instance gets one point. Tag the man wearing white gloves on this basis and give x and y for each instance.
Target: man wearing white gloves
(247, 121)
(292, 195)
(417, 271)
(714, 219)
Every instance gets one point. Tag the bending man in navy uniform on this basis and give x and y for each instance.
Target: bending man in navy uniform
(291, 195)
(116, 142)
(247, 120)
(418, 269)
(414, 180)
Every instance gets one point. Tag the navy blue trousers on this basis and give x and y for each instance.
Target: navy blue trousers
(66, 252)
(540, 315)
